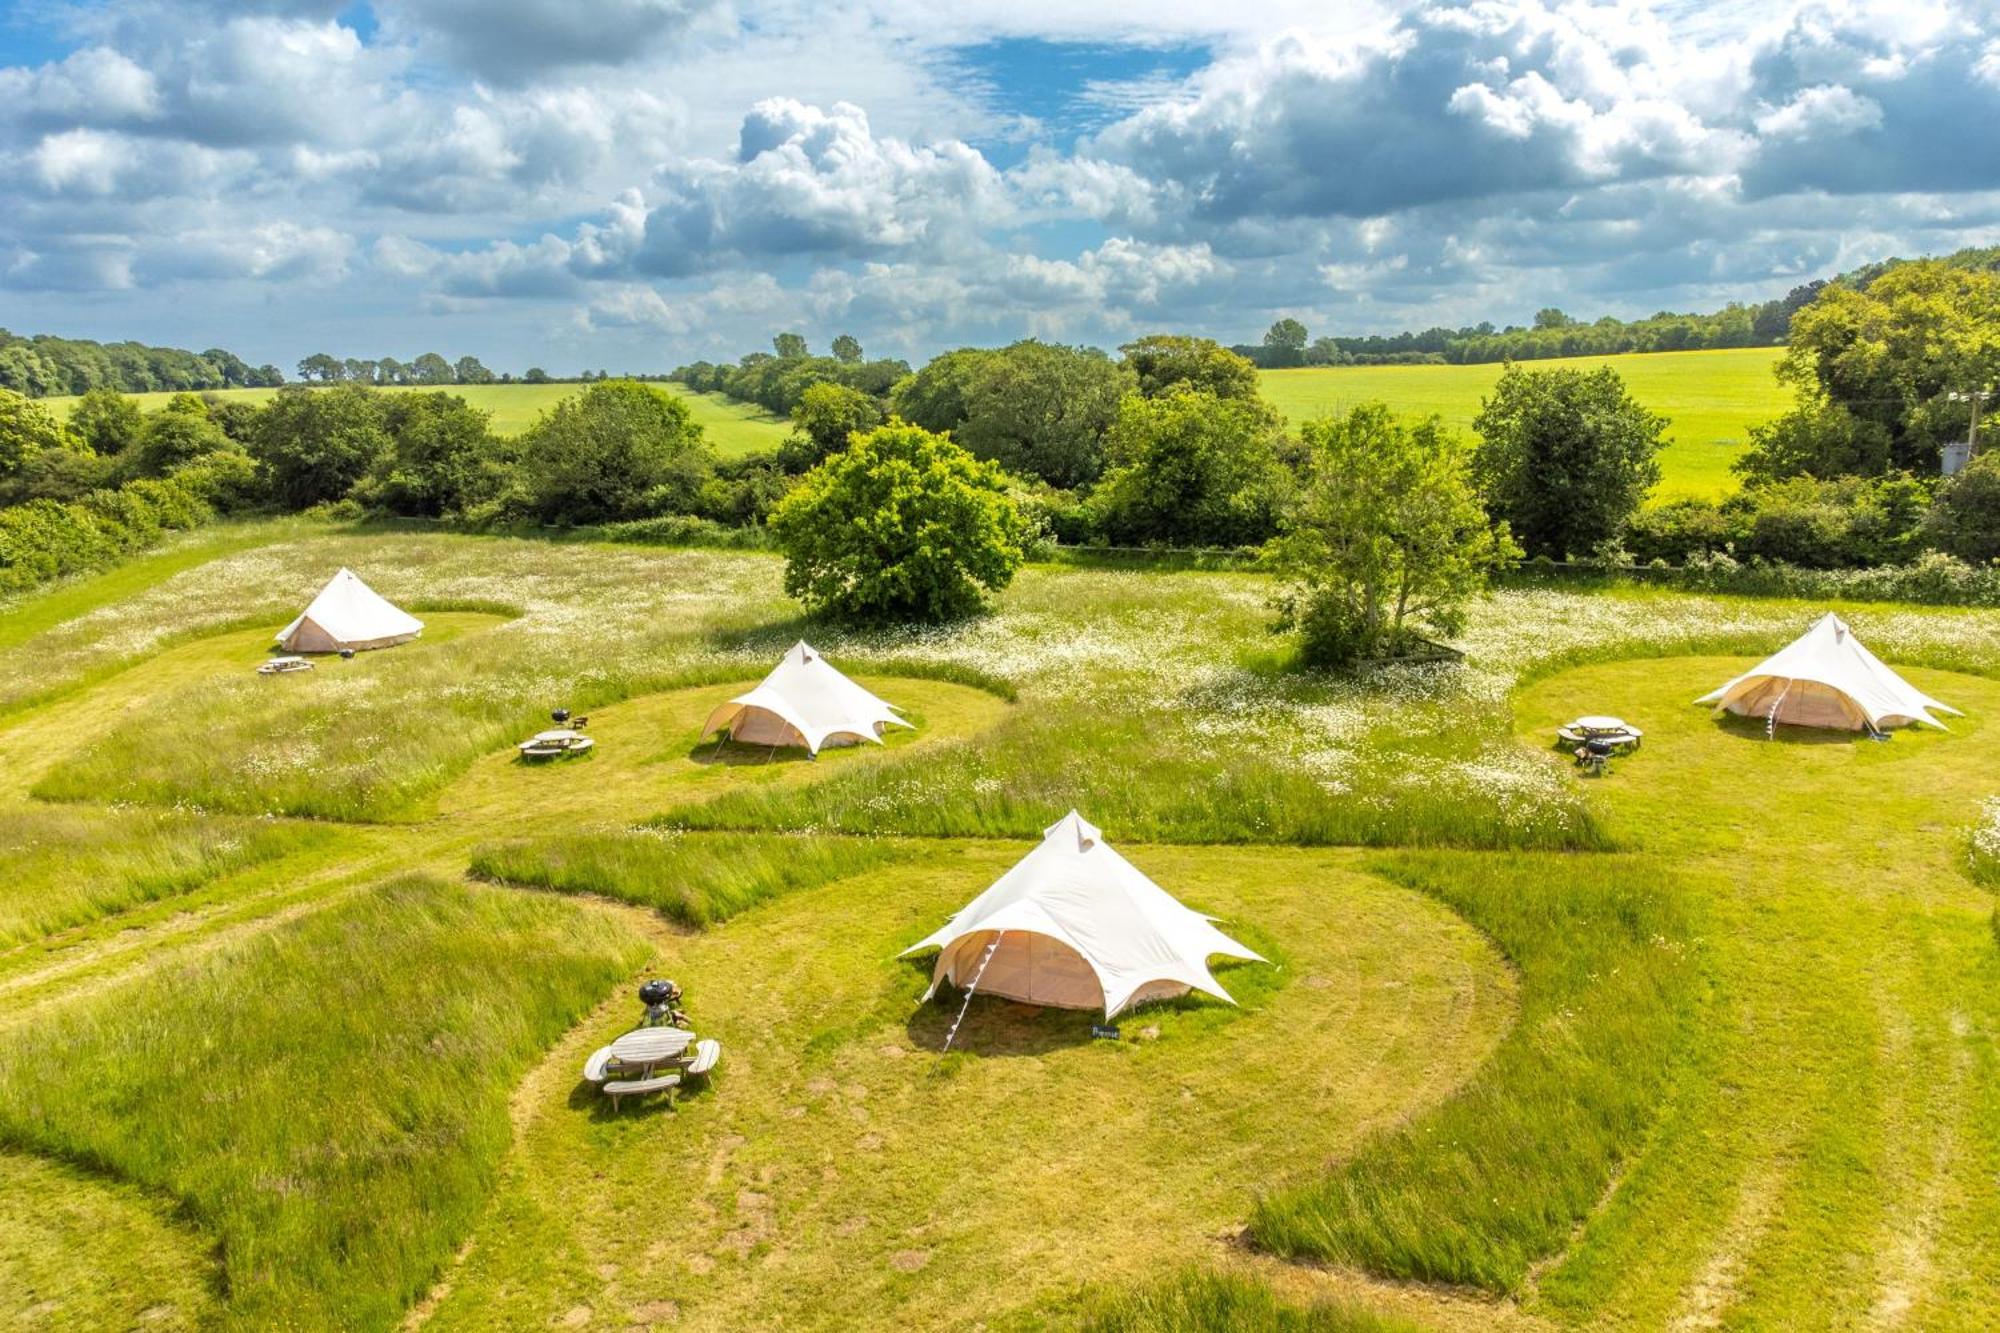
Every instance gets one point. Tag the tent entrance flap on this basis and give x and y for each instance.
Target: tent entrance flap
(1025, 966)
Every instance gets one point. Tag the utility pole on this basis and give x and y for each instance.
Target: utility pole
(1974, 397)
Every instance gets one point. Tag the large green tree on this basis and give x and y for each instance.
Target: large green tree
(1285, 343)
(312, 445)
(1388, 538)
(442, 456)
(1163, 361)
(176, 435)
(1190, 469)
(26, 429)
(1565, 457)
(617, 450)
(826, 417)
(1038, 409)
(903, 525)
(1882, 373)
(106, 420)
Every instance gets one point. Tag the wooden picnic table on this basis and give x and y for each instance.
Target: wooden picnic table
(646, 1048)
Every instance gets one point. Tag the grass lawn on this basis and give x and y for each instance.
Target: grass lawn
(1712, 399)
(1707, 1042)
(733, 428)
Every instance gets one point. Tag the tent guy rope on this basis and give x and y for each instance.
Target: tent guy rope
(970, 988)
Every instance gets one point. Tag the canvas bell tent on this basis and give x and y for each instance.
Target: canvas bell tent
(1826, 678)
(348, 614)
(806, 702)
(1075, 925)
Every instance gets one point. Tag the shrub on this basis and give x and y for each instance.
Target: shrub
(442, 457)
(1190, 469)
(106, 420)
(826, 417)
(1565, 457)
(903, 525)
(617, 450)
(44, 540)
(1965, 520)
(1388, 537)
(26, 429)
(177, 435)
(312, 445)
(1679, 530)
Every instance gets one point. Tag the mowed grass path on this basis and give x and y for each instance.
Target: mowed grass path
(1712, 399)
(1832, 1158)
(733, 428)
(1387, 982)
(840, 1173)
(1826, 1156)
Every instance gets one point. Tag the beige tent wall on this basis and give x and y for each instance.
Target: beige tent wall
(310, 638)
(1034, 969)
(761, 726)
(1800, 703)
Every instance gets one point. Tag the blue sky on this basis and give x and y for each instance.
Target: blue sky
(682, 178)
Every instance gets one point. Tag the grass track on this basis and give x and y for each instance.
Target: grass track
(1830, 1147)
(840, 1171)
(1712, 399)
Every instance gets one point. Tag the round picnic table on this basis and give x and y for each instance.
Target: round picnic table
(645, 1048)
(1610, 730)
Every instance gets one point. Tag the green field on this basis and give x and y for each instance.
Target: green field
(733, 428)
(1706, 1043)
(1712, 399)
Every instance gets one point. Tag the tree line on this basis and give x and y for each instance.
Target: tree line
(1553, 333)
(425, 369)
(914, 496)
(45, 366)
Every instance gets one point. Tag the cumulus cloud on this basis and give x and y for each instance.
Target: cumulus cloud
(670, 170)
(514, 41)
(807, 181)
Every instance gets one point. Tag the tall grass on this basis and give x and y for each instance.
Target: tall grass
(1195, 1301)
(330, 1098)
(1498, 1176)
(695, 879)
(1982, 848)
(1187, 788)
(67, 867)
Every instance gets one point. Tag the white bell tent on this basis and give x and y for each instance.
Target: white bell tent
(1826, 678)
(1074, 925)
(805, 701)
(348, 614)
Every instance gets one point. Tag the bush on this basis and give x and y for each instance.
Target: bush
(44, 540)
(1038, 409)
(1565, 457)
(1190, 469)
(177, 435)
(27, 429)
(1965, 521)
(106, 420)
(442, 457)
(903, 525)
(1388, 538)
(1680, 530)
(312, 445)
(826, 418)
(618, 450)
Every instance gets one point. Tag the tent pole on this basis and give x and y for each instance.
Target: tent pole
(972, 986)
